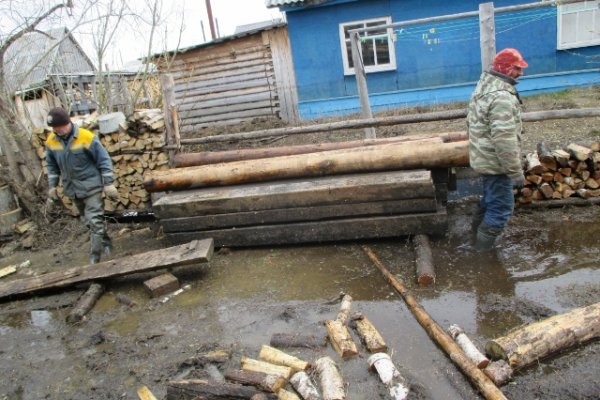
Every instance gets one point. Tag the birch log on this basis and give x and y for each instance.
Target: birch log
(344, 309)
(304, 385)
(528, 344)
(250, 364)
(278, 357)
(499, 372)
(332, 383)
(283, 394)
(369, 335)
(389, 375)
(468, 347)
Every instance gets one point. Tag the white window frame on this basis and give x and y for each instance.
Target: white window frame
(579, 8)
(368, 68)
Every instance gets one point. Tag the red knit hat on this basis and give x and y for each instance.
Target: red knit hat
(507, 59)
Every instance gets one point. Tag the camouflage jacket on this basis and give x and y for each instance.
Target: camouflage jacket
(494, 125)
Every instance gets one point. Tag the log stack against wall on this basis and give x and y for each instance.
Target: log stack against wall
(572, 172)
(135, 149)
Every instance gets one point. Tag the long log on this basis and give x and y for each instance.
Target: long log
(213, 157)
(387, 121)
(532, 342)
(409, 155)
(199, 388)
(185, 254)
(85, 303)
(475, 375)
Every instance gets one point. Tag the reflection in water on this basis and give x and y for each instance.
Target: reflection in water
(41, 318)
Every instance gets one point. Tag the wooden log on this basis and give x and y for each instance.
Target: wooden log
(475, 375)
(329, 190)
(340, 339)
(162, 284)
(424, 260)
(546, 190)
(203, 389)
(332, 384)
(535, 179)
(85, 303)
(261, 380)
(592, 183)
(296, 340)
(145, 394)
(561, 157)
(257, 396)
(250, 364)
(304, 386)
(185, 254)
(533, 166)
(546, 158)
(278, 357)
(457, 333)
(214, 157)
(499, 372)
(532, 342)
(409, 155)
(344, 312)
(565, 202)
(298, 214)
(579, 152)
(565, 171)
(389, 375)
(323, 231)
(283, 394)
(368, 334)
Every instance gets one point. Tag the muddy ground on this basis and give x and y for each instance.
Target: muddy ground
(547, 263)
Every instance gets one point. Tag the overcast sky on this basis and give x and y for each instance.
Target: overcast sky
(227, 13)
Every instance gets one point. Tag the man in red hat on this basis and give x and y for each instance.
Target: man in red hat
(494, 126)
(76, 157)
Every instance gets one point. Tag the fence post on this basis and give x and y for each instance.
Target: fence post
(361, 83)
(487, 35)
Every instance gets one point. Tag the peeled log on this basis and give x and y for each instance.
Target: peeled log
(532, 342)
(266, 382)
(397, 156)
(369, 335)
(249, 364)
(340, 338)
(278, 357)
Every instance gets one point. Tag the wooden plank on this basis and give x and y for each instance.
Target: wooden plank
(220, 95)
(227, 101)
(353, 188)
(268, 81)
(198, 83)
(326, 231)
(281, 56)
(182, 81)
(185, 254)
(298, 214)
(224, 111)
(251, 113)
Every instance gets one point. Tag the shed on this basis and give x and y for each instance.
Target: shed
(431, 63)
(233, 79)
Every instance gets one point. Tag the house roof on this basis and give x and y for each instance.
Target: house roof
(292, 3)
(256, 26)
(36, 55)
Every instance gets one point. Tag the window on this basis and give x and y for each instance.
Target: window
(377, 46)
(579, 24)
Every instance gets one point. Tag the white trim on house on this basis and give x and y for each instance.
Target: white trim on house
(344, 42)
(578, 25)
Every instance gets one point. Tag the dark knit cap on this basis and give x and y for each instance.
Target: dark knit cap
(58, 117)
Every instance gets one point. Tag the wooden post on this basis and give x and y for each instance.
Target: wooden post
(361, 83)
(168, 87)
(424, 260)
(487, 35)
(477, 377)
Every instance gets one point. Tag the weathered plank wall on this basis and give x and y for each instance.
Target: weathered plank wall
(232, 81)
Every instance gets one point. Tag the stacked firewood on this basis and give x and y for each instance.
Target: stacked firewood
(136, 148)
(559, 174)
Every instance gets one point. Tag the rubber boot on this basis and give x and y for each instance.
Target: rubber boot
(95, 248)
(486, 237)
(107, 245)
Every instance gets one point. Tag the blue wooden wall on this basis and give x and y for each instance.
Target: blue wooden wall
(435, 63)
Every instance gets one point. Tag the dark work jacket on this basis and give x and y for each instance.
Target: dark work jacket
(81, 162)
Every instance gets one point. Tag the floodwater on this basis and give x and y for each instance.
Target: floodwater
(547, 263)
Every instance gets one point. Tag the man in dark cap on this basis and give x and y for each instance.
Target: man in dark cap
(76, 157)
(494, 125)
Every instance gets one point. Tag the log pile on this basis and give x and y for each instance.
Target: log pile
(342, 194)
(135, 149)
(572, 172)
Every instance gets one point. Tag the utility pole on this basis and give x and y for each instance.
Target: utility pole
(210, 20)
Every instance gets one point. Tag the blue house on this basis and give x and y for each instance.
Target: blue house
(431, 63)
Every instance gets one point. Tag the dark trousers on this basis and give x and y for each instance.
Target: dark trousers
(498, 201)
(91, 211)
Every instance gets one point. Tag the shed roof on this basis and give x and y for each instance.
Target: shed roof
(36, 55)
(292, 3)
